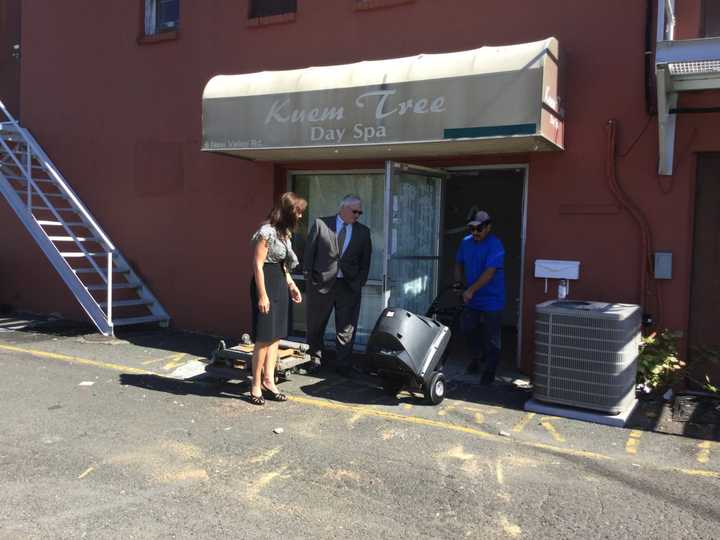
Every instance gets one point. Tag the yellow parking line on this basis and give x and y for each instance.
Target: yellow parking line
(393, 416)
(524, 422)
(499, 472)
(156, 360)
(545, 422)
(633, 441)
(175, 361)
(87, 471)
(75, 360)
(447, 409)
(703, 455)
(696, 472)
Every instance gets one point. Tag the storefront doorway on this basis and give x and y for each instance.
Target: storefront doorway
(417, 217)
(501, 191)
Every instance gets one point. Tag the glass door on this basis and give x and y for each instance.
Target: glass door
(323, 190)
(413, 216)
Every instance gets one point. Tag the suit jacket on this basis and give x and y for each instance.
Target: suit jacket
(322, 256)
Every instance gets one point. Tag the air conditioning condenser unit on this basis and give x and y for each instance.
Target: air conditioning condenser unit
(586, 354)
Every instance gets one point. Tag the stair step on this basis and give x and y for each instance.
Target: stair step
(139, 320)
(71, 239)
(93, 271)
(63, 209)
(46, 223)
(24, 179)
(23, 192)
(127, 303)
(80, 254)
(48, 203)
(115, 286)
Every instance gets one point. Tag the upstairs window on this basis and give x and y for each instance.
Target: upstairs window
(161, 16)
(711, 18)
(268, 8)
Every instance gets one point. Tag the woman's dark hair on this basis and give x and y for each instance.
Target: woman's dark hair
(284, 217)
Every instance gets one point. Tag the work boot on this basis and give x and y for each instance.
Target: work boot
(473, 366)
(487, 378)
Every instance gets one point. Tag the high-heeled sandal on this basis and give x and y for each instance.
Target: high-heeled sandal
(275, 396)
(257, 400)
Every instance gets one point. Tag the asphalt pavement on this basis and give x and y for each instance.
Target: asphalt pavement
(122, 437)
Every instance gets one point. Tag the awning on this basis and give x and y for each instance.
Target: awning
(487, 100)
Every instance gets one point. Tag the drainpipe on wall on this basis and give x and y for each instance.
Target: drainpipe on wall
(650, 90)
(625, 202)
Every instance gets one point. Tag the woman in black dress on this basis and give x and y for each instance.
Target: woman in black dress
(271, 288)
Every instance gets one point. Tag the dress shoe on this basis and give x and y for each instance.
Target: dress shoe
(314, 365)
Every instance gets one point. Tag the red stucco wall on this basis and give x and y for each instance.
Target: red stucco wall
(122, 121)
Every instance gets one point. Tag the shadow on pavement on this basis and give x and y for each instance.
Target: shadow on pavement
(197, 386)
(367, 389)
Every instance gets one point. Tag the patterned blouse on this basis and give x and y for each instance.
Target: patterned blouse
(279, 250)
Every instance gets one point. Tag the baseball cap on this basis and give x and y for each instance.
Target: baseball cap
(480, 217)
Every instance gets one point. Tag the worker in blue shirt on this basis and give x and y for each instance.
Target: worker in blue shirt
(480, 260)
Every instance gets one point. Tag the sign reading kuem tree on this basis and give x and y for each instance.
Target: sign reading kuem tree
(487, 93)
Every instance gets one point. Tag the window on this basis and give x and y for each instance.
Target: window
(161, 16)
(711, 18)
(268, 8)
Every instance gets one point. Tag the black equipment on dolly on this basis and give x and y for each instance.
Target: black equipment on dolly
(227, 363)
(408, 351)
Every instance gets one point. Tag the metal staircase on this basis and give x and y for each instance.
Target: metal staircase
(91, 266)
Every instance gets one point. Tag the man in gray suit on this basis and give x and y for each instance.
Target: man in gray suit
(336, 266)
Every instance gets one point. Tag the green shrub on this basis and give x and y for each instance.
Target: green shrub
(658, 363)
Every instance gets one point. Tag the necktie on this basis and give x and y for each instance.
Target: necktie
(341, 238)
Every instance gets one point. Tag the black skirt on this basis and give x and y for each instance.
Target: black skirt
(273, 325)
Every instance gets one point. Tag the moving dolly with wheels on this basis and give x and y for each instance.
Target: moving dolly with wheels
(228, 363)
(407, 351)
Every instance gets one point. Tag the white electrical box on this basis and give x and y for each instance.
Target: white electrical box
(554, 269)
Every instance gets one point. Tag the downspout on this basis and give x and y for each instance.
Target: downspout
(650, 91)
(625, 202)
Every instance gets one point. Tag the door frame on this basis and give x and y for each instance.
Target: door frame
(525, 167)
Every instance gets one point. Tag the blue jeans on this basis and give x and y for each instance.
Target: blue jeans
(482, 330)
